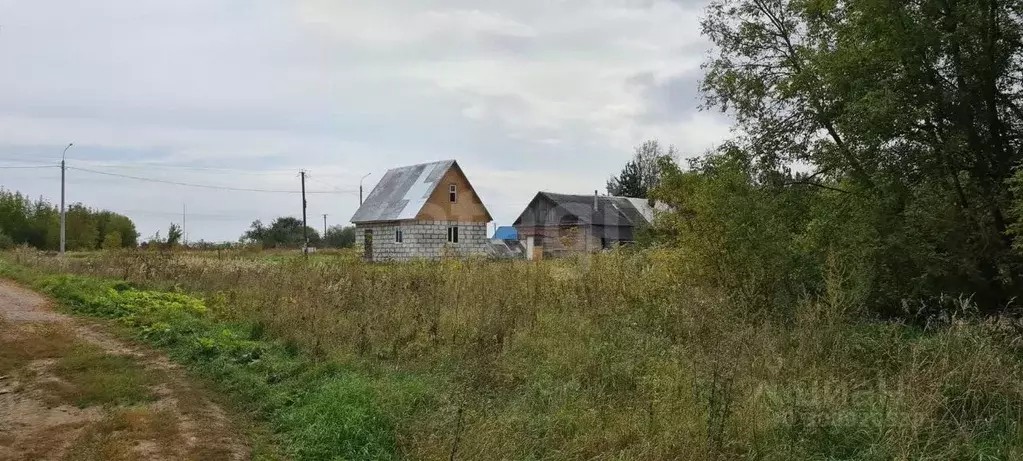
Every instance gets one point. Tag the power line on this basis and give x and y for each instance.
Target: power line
(6, 167)
(308, 176)
(25, 158)
(35, 159)
(204, 186)
(191, 216)
(158, 166)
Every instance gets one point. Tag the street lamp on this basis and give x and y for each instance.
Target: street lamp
(63, 219)
(360, 187)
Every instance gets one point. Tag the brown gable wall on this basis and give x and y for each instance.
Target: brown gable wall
(467, 208)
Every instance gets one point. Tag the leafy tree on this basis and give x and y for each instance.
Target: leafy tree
(112, 241)
(174, 235)
(628, 183)
(906, 116)
(283, 232)
(641, 173)
(82, 231)
(107, 222)
(37, 223)
(340, 237)
(738, 235)
(6, 242)
(257, 233)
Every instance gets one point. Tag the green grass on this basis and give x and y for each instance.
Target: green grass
(614, 357)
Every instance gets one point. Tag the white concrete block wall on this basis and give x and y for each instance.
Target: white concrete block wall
(424, 240)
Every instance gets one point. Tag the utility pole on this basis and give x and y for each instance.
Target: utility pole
(305, 227)
(324, 226)
(63, 213)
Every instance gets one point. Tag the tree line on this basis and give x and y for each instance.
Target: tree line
(906, 123)
(288, 232)
(24, 221)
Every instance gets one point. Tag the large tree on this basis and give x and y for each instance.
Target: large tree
(910, 111)
(283, 232)
(37, 223)
(339, 237)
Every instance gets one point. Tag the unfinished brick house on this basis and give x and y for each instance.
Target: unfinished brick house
(424, 211)
(559, 224)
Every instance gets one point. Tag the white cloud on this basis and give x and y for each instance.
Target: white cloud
(527, 95)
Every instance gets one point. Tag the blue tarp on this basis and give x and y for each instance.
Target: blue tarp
(506, 233)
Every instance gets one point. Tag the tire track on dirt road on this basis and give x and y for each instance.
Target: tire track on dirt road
(38, 421)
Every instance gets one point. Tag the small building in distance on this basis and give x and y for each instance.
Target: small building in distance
(506, 233)
(559, 224)
(505, 244)
(424, 211)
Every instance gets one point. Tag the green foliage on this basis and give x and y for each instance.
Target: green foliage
(340, 237)
(112, 241)
(285, 232)
(906, 116)
(1016, 211)
(6, 242)
(82, 228)
(107, 223)
(174, 235)
(628, 183)
(357, 427)
(739, 236)
(38, 224)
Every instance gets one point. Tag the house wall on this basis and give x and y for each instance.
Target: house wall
(467, 208)
(563, 240)
(423, 240)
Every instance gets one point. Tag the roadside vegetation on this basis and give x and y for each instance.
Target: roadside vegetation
(620, 355)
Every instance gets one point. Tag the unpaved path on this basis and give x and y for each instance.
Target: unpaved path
(38, 421)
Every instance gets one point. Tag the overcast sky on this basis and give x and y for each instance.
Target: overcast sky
(527, 95)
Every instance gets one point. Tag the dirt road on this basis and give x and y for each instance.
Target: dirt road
(69, 391)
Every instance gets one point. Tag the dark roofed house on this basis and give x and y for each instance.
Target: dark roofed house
(423, 211)
(557, 224)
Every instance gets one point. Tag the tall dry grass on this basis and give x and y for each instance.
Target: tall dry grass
(619, 356)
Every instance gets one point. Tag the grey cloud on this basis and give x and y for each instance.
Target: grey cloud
(674, 99)
(531, 94)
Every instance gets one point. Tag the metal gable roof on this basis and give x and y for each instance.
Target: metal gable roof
(402, 192)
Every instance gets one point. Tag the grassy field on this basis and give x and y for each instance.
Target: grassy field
(616, 356)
